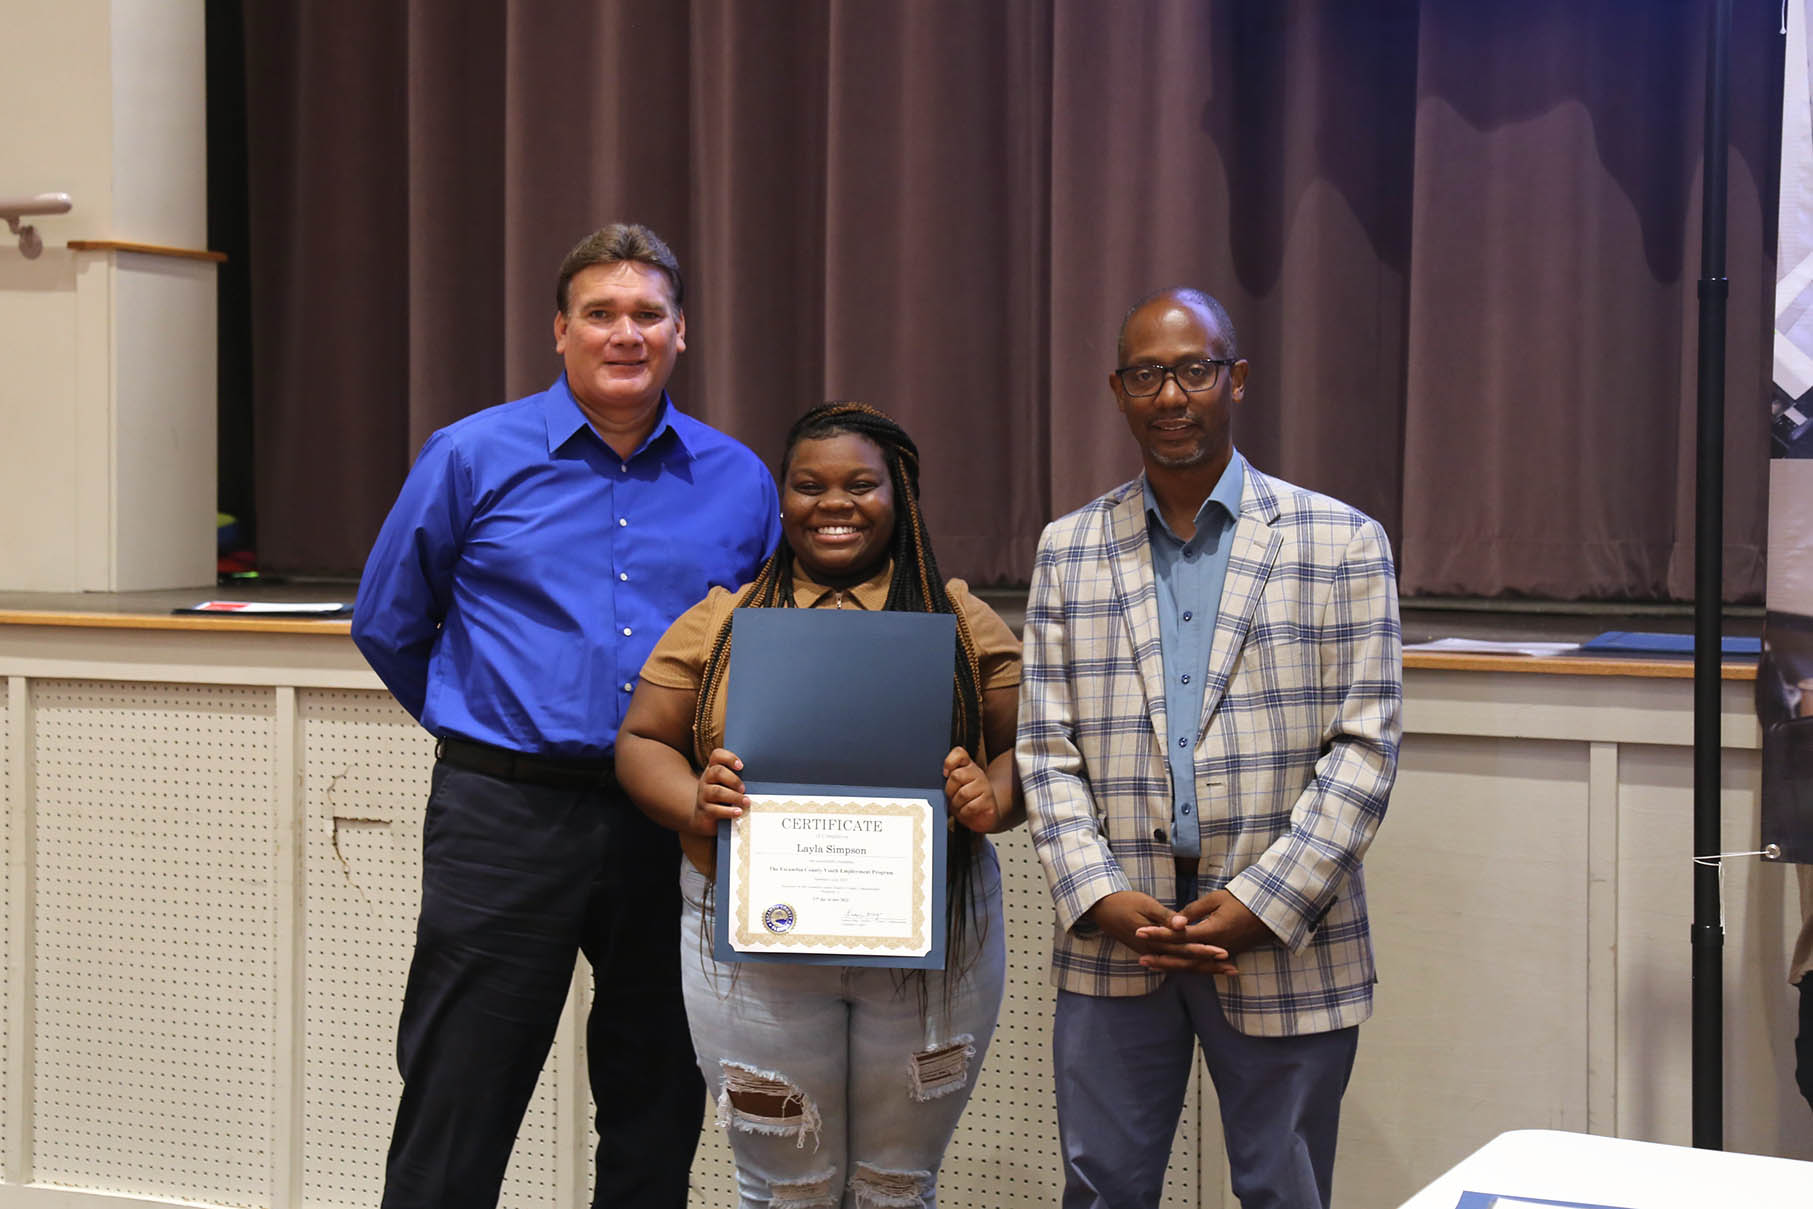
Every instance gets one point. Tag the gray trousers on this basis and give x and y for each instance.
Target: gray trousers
(1122, 1067)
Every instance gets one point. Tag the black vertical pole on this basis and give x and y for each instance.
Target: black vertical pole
(1709, 575)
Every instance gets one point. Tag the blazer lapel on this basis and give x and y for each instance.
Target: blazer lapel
(1250, 561)
(1130, 558)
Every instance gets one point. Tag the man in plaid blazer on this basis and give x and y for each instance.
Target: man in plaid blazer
(1209, 723)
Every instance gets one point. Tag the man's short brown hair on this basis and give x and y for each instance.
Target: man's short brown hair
(619, 242)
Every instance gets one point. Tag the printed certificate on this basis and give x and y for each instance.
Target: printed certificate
(837, 876)
(842, 718)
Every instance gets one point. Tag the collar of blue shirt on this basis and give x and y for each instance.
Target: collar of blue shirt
(1227, 494)
(564, 419)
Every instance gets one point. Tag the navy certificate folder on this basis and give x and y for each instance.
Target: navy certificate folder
(840, 702)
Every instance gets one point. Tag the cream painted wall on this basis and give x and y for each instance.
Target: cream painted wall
(56, 116)
(160, 123)
(105, 100)
(107, 405)
(37, 416)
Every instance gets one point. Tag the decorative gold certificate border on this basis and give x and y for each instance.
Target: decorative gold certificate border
(747, 933)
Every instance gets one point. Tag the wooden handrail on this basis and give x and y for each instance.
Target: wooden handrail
(146, 249)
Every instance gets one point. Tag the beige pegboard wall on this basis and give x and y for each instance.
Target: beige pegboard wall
(154, 942)
(157, 1019)
(366, 768)
(714, 1175)
(1005, 1153)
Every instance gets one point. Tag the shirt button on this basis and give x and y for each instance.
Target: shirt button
(623, 466)
(626, 631)
(629, 688)
(1187, 615)
(625, 575)
(1159, 835)
(1186, 805)
(1186, 677)
(623, 520)
(1181, 741)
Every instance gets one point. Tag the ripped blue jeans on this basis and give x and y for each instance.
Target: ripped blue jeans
(862, 1079)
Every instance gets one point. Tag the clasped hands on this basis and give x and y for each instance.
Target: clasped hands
(969, 796)
(1203, 937)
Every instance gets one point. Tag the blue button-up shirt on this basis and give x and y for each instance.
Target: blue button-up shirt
(1190, 575)
(526, 570)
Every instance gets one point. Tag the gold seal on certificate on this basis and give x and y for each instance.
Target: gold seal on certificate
(833, 876)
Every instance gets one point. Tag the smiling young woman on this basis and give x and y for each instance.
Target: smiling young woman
(834, 1076)
(837, 508)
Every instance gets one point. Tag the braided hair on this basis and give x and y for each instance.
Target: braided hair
(916, 587)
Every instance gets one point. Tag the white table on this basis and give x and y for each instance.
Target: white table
(1548, 1164)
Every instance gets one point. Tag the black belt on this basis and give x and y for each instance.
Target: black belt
(551, 771)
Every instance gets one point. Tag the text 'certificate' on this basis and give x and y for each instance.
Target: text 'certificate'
(841, 876)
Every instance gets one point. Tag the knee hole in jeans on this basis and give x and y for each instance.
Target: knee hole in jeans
(942, 1069)
(760, 1101)
(810, 1192)
(879, 1188)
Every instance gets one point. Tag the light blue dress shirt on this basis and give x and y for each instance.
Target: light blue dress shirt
(526, 570)
(1190, 576)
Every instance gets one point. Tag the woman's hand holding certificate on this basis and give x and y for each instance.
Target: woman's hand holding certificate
(720, 792)
(973, 801)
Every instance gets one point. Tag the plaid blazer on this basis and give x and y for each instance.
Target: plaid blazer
(1294, 758)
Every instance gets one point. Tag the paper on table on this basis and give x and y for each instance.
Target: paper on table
(269, 607)
(1480, 646)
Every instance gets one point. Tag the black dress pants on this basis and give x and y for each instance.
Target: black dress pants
(516, 879)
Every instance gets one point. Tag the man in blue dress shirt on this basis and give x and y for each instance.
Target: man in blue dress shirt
(536, 552)
(1209, 721)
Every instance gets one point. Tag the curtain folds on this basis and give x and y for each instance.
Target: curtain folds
(1460, 239)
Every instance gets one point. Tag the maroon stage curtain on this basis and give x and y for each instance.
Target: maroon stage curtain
(1459, 239)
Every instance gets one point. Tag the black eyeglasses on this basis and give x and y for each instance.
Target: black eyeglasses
(1195, 375)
